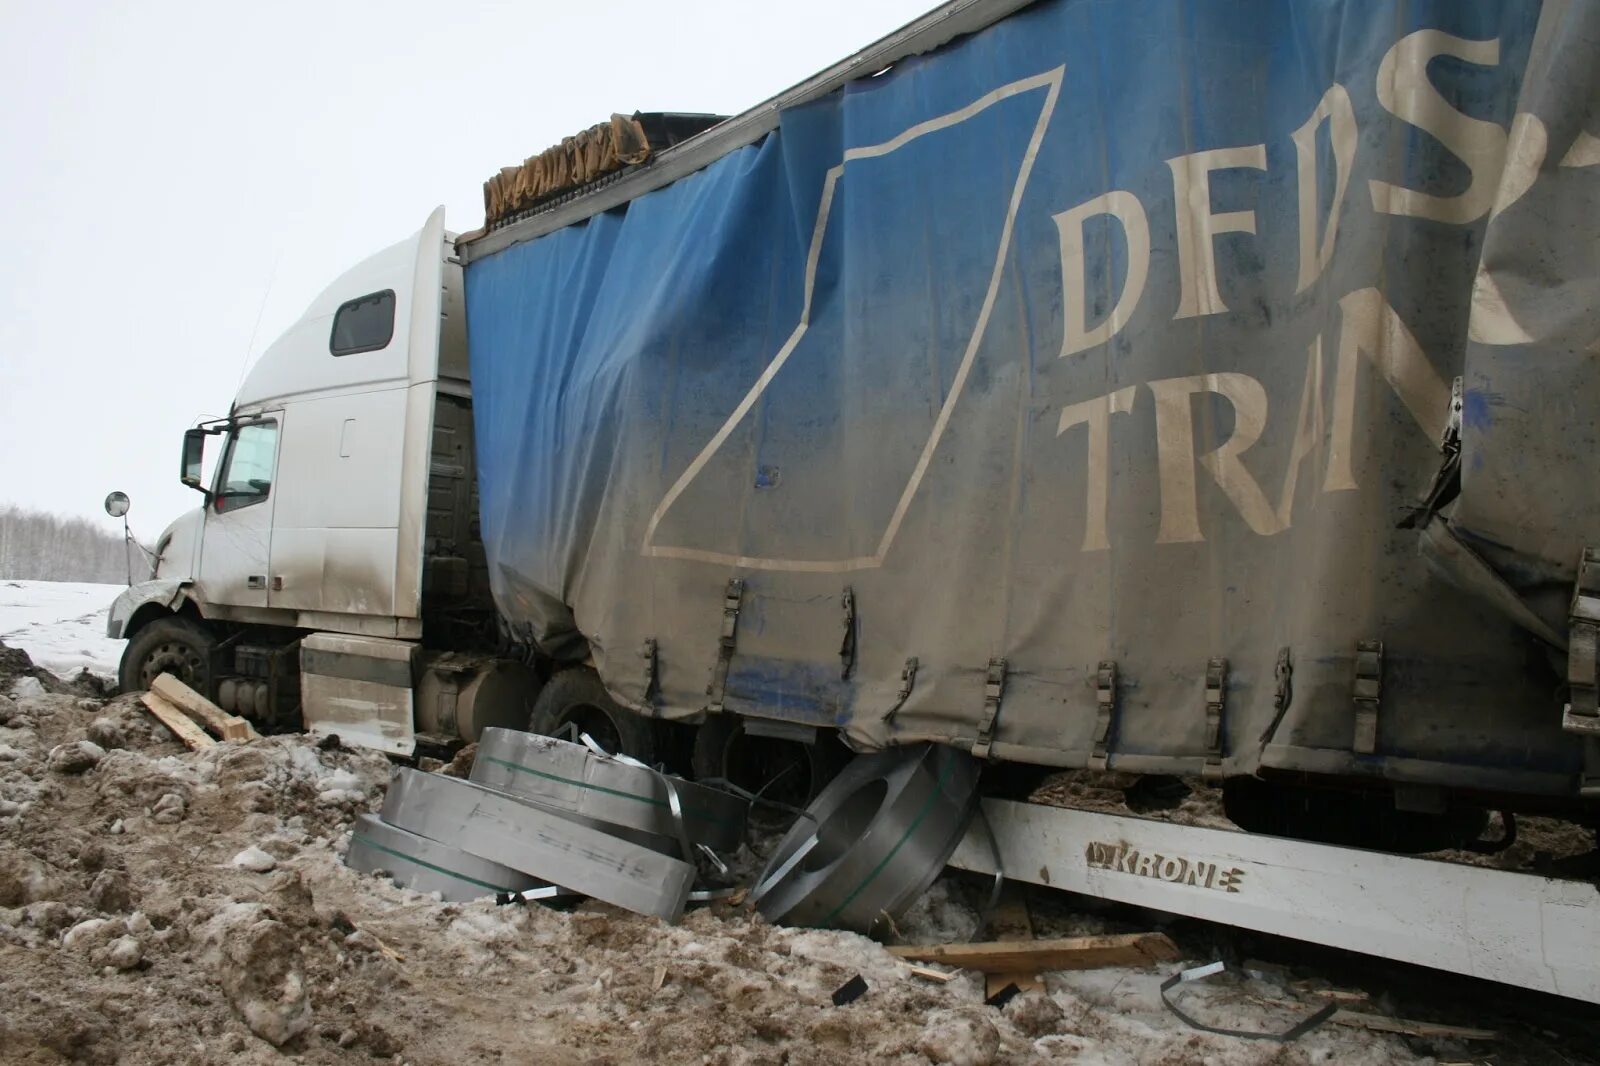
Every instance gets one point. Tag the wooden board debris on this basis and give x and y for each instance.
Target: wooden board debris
(1381, 1024)
(1037, 956)
(1010, 920)
(175, 720)
(928, 974)
(202, 710)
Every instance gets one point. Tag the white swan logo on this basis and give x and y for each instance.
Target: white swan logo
(1050, 82)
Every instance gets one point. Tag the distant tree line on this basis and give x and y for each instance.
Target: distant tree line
(35, 546)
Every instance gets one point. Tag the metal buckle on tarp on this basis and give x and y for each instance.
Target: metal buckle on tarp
(1105, 694)
(647, 652)
(908, 681)
(994, 687)
(1582, 712)
(731, 600)
(847, 649)
(1216, 689)
(1368, 690)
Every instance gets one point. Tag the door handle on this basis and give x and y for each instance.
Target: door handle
(256, 581)
(277, 583)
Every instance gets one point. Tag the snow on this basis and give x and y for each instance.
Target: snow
(61, 625)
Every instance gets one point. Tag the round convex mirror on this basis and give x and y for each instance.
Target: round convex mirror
(117, 504)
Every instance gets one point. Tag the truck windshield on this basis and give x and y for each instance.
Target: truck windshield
(247, 470)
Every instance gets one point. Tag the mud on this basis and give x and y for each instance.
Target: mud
(165, 906)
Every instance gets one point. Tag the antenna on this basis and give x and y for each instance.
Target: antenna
(244, 364)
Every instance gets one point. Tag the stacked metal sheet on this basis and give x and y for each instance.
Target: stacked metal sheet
(541, 812)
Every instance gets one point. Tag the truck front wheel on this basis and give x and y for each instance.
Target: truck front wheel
(575, 697)
(177, 646)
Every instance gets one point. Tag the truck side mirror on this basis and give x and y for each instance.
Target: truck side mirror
(194, 452)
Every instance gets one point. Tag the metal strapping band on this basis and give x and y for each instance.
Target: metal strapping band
(1105, 694)
(731, 599)
(1216, 693)
(1368, 691)
(1198, 973)
(674, 804)
(994, 687)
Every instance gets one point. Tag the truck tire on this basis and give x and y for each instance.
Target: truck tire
(577, 697)
(792, 773)
(178, 646)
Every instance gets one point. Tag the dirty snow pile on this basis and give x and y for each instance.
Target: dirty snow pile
(60, 624)
(161, 905)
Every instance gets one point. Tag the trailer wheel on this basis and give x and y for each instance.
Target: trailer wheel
(576, 697)
(784, 771)
(178, 646)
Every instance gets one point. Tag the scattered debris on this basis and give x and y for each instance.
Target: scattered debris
(1200, 973)
(182, 728)
(833, 868)
(850, 991)
(202, 710)
(1378, 1023)
(929, 974)
(591, 857)
(1003, 995)
(1037, 956)
(341, 966)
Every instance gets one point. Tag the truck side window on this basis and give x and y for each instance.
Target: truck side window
(247, 468)
(365, 324)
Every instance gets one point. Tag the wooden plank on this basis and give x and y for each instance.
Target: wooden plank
(202, 710)
(941, 976)
(1010, 920)
(1036, 956)
(178, 722)
(1379, 1023)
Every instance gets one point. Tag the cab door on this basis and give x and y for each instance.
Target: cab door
(236, 547)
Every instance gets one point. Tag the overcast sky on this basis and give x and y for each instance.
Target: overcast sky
(174, 173)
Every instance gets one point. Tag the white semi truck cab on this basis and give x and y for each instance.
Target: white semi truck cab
(333, 568)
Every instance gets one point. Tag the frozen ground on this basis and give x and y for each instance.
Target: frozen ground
(132, 932)
(60, 624)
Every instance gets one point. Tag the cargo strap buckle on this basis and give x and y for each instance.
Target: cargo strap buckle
(1105, 694)
(994, 687)
(647, 652)
(908, 681)
(1582, 712)
(1216, 689)
(718, 687)
(1368, 690)
(847, 650)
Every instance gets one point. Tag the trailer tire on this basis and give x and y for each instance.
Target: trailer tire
(576, 696)
(723, 752)
(178, 646)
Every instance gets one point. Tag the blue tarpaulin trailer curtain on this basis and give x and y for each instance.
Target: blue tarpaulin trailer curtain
(1119, 333)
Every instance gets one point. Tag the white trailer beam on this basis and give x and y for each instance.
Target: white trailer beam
(1519, 929)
